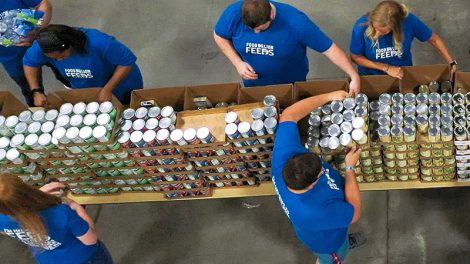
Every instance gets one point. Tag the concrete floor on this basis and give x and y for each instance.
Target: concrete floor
(173, 40)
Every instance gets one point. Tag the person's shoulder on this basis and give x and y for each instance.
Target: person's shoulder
(411, 18)
(362, 22)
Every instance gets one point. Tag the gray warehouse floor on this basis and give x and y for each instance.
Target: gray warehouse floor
(173, 40)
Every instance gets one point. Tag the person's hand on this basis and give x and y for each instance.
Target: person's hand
(396, 72)
(53, 188)
(28, 41)
(337, 95)
(353, 156)
(40, 100)
(453, 70)
(355, 86)
(246, 71)
(104, 95)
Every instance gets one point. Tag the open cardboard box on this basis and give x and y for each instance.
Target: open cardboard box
(57, 98)
(214, 119)
(216, 93)
(283, 93)
(165, 96)
(375, 85)
(462, 82)
(414, 76)
(10, 105)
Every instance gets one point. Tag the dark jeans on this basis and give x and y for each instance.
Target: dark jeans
(101, 256)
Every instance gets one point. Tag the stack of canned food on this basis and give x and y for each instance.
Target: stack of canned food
(462, 134)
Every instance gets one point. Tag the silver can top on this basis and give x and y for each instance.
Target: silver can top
(383, 131)
(349, 103)
(362, 99)
(434, 98)
(231, 117)
(25, 116)
(333, 143)
(269, 100)
(12, 154)
(270, 123)
(257, 113)
(76, 120)
(34, 128)
(92, 108)
(79, 108)
(124, 137)
(137, 136)
(100, 133)
(139, 124)
(151, 123)
(348, 115)
(11, 121)
(397, 98)
(346, 127)
(336, 106)
(337, 118)
(47, 127)
(154, 112)
(345, 140)
(103, 119)
(17, 140)
(149, 136)
(21, 128)
(89, 120)
(45, 139)
(177, 135)
(66, 109)
(203, 133)
(313, 120)
(231, 129)
(422, 98)
(85, 132)
(446, 98)
(244, 127)
(270, 111)
(409, 109)
(421, 119)
(165, 123)
(257, 125)
(52, 115)
(434, 109)
(189, 134)
(324, 142)
(141, 112)
(422, 109)
(385, 99)
(358, 122)
(374, 105)
(385, 109)
(397, 120)
(334, 130)
(106, 107)
(128, 114)
(326, 109)
(31, 139)
(39, 115)
(63, 121)
(409, 98)
(167, 111)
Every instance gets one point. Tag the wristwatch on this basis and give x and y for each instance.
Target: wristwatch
(349, 168)
(454, 62)
(37, 90)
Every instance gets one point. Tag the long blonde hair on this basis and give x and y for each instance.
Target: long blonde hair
(24, 203)
(390, 14)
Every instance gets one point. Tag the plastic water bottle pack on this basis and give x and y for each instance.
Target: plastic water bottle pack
(16, 25)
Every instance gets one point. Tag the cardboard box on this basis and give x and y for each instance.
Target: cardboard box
(57, 98)
(462, 82)
(283, 93)
(214, 119)
(414, 76)
(165, 96)
(10, 105)
(216, 93)
(375, 85)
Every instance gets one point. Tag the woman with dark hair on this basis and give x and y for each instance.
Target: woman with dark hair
(87, 58)
(382, 40)
(56, 232)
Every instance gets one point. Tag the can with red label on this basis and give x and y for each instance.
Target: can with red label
(166, 123)
(128, 114)
(190, 135)
(163, 137)
(154, 112)
(169, 112)
(138, 125)
(151, 124)
(150, 140)
(141, 113)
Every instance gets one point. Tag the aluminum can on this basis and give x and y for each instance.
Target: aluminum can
(124, 140)
(4, 142)
(141, 113)
(346, 140)
(26, 117)
(166, 123)
(270, 111)
(90, 120)
(63, 121)
(397, 120)
(47, 127)
(154, 112)
(34, 128)
(73, 135)
(359, 136)
(385, 109)
(385, 99)
(76, 121)
(79, 108)
(446, 98)
(313, 120)
(422, 98)
(14, 156)
(244, 129)
(92, 108)
(45, 141)
(101, 134)
(177, 136)
(151, 124)
(21, 128)
(433, 87)
(39, 116)
(257, 113)
(337, 118)
(459, 98)
(204, 135)
(137, 139)
(409, 99)
(232, 117)
(60, 135)
(336, 106)
(346, 127)
(66, 109)
(170, 113)
(362, 100)
(17, 141)
(349, 103)
(163, 137)
(270, 100)
(126, 126)
(105, 120)
(271, 125)
(190, 135)
(409, 110)
(138, 125)
(422, 109)
(108, 108)
(86, 134)
(231, 130)
(434, 98)
(128, 114)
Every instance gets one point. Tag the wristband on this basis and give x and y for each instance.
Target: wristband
(349, 168)
(453, 63)
(37, 90)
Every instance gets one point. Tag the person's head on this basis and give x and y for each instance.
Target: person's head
(60, 41)
(257, 14)
(302, 170)
(387, 17)
(23, 203)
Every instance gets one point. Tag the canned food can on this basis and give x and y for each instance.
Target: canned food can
(271, 125)
(459, 98)
(244, 129)
(128, 114)
(47, 127)
(90, 120)
(163, 137)
(231, 130)
(10, 124)
(76, 121)
(385, 99)
(313, 120)
(334, 130)
(72, 134)
(39, 116)
(108, 108)
(166, 123)
(385, 109)
(359, 123)
(434, 134)
(460, 120)
(460, 133)
(232, 117)
(362, 100)
(433, 87)
(336, 106)
(204, 135)
(14, 156)
(63, 121)
(177, 136)
(170, 113)
(151, 124)
(270, 111)
(17, 141)
(422, 123)
(257, 113)
(92, 108)
(359, 136)
(45, 141)
(137, 139)
(397, 120)
(349, 103)
(270, 100)
(79, 108)
(337, 118)
(106, 121)
(21, 128)
(26, 117)
(126, 126)
(141, 113)
(101, 134)
(346, 127)
(66, 109)
(154, 112)
(190, 135)
(138, 125)
(346, 140)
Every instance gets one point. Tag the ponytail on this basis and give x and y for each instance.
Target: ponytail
(61, 37)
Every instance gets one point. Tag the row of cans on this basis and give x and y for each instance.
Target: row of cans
(435, 86)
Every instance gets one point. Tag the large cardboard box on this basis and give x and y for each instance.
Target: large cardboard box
(165, 96)
(414, 76)
(375, 85)
(10, 105)
(283, 92)
(216, 93)
(462, 82)
(57, 98)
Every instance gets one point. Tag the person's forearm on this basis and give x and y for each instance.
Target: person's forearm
(339, 58)
(441, 47)
(120, 73)
(353, 194)
(365, 62)
(32, 75)
(45, 6)
(302, 108)
(84, 215)
(227, 49)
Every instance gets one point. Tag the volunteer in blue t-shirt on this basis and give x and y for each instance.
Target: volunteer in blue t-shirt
(381, 40)
(56, 232)
(87, 58)
(12, 57)
(267, 43)
(320, 203)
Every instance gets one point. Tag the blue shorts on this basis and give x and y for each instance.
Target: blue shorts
(342, 253)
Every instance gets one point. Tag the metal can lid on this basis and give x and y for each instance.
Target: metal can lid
(349, 103)
(421, 109)
(176, 135)
(85, 132)
(409, 120)
(447, 130)
(244, 127)
(141, 112)
(446, 119)
(326, 119)
(59, 133)
(375, 116)
(396, 119)
(25, 116)
(66, 109)
(270, 111)
(385, 99)
(34, 127)
(76, 120)
(137, 136)
(446, 108)
(383, 131)
(385, 109)
(203, 133)
(154, 111)
(163, 134)
(361, 111)
(62, 121)
(434, 109)
(149, 136)
(334, 130)
(257, 113)
(446, 98)
(4, 142)
(47, 127)
(396, 130)
(324, 142)
(92, 107)
(326, 109)
(151, 123)
(11, 121)
(31, 139)
(348, 115)
(346, 127)
(89, 120)
(45, 139)
(434, 119)
(79, 108)
(410, 109)
(422, 98)
(12, 154)
(124, 137)
(410, 98)
(257, 125)
(3, 154)
(16, 140)
(106, 107)
(39, 115)
(231, 117)
(128, 114)
(103, 119)
(231, 129)
(270, 123)
(313, 120)
(337, 118)
(138, 124)
(409, 130)
(361, 99)
(190, 134)
(374, 105)
(358, 122)
(345, 139)
(336, 106)
(21, 128)
(127, 125)
(167, 111)
(397, 98)
(72, 132)
(396, 109)
(333, 143)
(52, 115)
(165, 123)
(434, 97)
(434, 130)
(269, 100)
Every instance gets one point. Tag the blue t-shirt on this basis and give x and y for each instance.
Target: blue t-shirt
(278, 54)
(64, 226)
(95, 67)
(384, 51)
(320, 216)
(14, 52)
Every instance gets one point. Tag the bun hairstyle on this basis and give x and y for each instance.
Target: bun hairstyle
(61, 37)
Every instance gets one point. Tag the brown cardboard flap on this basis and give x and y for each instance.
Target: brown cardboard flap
(414, 76)
(57, 98)
(165, 96)
(283, 93)
(244, 111)
(216, 93)
(462, 80)
(375, 85)
(10, 105)
(214, 119)
(307, 89)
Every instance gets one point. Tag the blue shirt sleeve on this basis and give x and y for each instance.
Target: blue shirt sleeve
(34, 57)
(227, 22)
(76, 224)
(358, 45)
(338, 214)
(119, 54)
(31, 3)
(311, 35)
(421, 31)
(287, 136)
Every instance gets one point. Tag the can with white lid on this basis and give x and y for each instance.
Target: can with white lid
(232, 117)
(66, 109)
(150, 139)
(258, 128)
(92, 108)
(47, 127)
(204, 135)
(63, 121)
(138, 125)
(3, 158)
(17, 141)
(271, 125)
(14, 156)
(141, 113)
(86, 134)
(4, 142)
(73, 135)
(21, 128)
(126, 126)
(106, 121)
(34, 128)
(124, 140)
(270, 111)
(39, 116)
(244, 128)
(52, 115)
(76, 121)
(45, 141)
(101, 134)
(108, 108)
(177, 136)
(90, 120)
(151, 124)
(4, 131)
(11, 123)
(79, 108)
(190, 135)
(169, 112)
(137, 139)
(154, 112)
(257, 113)
(359, 136)
(163, 137)
(231, 130)
(26, 117)
(166, 123)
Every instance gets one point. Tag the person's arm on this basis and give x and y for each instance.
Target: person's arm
(339, 58)
(33, 76)
(91, 236)
(352, 191)
(302, 108)
(394, 71)
(243, 68)
(46, 7)
(120, 73)
(440, 45)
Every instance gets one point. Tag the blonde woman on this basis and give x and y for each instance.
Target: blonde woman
(56, 232)
(382, 40)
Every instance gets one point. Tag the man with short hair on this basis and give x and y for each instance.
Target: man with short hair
(320, 203)
(267, 43)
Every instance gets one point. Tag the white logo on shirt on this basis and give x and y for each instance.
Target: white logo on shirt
(283, 205)
(79, 73)
(386, 53)
(330, 181)
(27, 238)
(259, 49)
